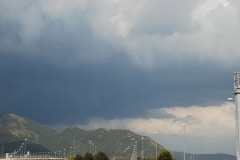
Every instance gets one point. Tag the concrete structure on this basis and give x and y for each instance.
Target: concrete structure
(237, 110)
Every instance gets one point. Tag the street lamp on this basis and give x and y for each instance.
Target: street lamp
(156, 144)
(142, 149)
(93, 148)
(74, 147)
(21, 150)
(25, 146)
(90, 147)
(184, 148)
(135, 151)
(70, 151)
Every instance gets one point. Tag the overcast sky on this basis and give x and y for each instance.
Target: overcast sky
(143, 65)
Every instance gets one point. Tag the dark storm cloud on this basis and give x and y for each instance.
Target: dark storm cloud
(52, 94)
(67, 63)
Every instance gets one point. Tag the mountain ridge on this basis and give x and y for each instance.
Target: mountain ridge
(114, 142)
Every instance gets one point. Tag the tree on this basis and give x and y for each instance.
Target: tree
(70, 158)
(88, 156)
(78, 157)
(101, 156)
(165, 154)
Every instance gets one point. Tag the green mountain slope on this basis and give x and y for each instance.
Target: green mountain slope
(112, 142)
(116, 143)
(17, 128)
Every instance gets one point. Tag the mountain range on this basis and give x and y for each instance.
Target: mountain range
(18, 133)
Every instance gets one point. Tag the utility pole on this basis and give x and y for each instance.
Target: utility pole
(184, 145)
(236, 81)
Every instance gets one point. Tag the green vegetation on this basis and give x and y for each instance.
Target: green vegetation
(165, 154)
(89, 156)
(101, 156)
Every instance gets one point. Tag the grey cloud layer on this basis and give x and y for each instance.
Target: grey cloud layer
(88, 59)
